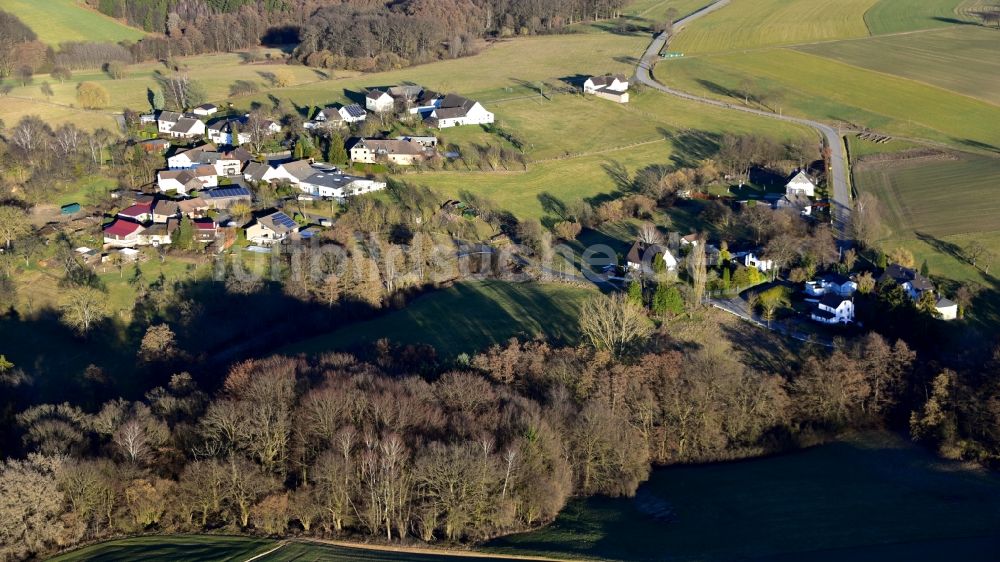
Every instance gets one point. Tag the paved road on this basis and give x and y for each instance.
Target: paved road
(841, 202)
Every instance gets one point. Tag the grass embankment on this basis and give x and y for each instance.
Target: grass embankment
(872, 498)
(57, 21)
(467, 317)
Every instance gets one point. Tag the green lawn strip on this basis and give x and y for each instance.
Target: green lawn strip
(204, 548)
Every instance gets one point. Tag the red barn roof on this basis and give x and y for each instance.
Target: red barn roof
(122, 228)
(137, 210)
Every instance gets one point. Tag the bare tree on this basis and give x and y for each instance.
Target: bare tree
(614, 323)
(649, 234)
(696, 264)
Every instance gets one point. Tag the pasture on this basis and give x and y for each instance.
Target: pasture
(872, 497)
(205, 548)
(894, 16)
(56, 21)
(803, 84)
(959, 59)
(466, 318)
(745, 24)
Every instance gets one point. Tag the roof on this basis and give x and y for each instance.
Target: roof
(392, 146)
(354, 110)
(204, 170)
(208, 106)
(639, 249)
(225, 192)
(122, 228)
(832, 300)
(823, 313)
(799, 177)
(331, 114)
(256, 170)
(185, 125)
(301, 169)
(944, 303)
(376, 94)
(334, 180)
(189, 205)
(408, 91)
(279, 222)
(204, 224)
(606, 80)
(166, 207)
(169, 116)
(834, 278)
(901, 275)
(136, 210)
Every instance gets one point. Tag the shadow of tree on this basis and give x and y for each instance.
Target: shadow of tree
(691, 146)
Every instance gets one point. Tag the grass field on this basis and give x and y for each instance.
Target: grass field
(757, 23)
(204, 548)
(868, 499)
(56, 21)
(466, 318)
(822, 88)
(893, 16)
(960, 59)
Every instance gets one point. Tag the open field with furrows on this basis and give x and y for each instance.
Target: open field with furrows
(757, 23)
(892, 16)
(205, 548)
(962, 59)
(56, 21)
(871, 498)
(465, 318)
(802, 84)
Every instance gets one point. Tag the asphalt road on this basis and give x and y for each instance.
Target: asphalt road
(841, 202)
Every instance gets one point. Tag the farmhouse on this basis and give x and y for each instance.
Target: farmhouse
(271, 228)
(833, 309)
(379, 101)
(612, 87)
(456, 110)
(393, 151)
(122, 234)
(640, 258)
(800, 184)
(910, 280)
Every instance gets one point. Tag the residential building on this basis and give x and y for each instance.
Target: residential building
(795, 201)
(180, 126)
(205, 230)
(166, 120)
(193, 208)
(751, 260)
(271, 229)
(379, 101)
(157, 234)
(613, 87)
(141, 212)
(426, 142)
(327, 117)
(454, 110)
(833, 309)
(353, 113)
(189, 157)
(165, 210)
(187, 180)
(205, 110)
(910, 280)
(122, 233)
(393, 151)
(800, 184)
(337, 185)
(221, 131)
(946, 308)
(640, 258)
(831, 283)
(226, 197)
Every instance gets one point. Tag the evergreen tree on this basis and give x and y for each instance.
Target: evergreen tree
(635, 292)
(300, 150)
(335, 153)
(726, 278)
(924, 269)
(667, 300)
(183, 237)
(659, 264)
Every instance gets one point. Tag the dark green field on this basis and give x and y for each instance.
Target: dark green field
(203, 548)
(466, 318)
(871, 498)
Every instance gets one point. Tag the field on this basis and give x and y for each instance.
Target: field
(466, 318)
(56, 21)
(893, 16)
(194, 547)
(747, 24)
(800, 83)
(877, 497)
(960, 59)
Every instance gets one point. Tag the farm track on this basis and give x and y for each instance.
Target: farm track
(838, 158)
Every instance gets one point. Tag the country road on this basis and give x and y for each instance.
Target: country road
(841, 201)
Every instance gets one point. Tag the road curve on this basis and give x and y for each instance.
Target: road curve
(841, 200)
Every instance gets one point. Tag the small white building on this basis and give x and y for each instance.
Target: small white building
(751, 260)
(612, 87)
(353, 113)
(641, 257)
(831, 283)
(834, 309)
(455, 110)
(946, 308)
(800, 184)
(205, 110)
(379, 101)
(338, 186)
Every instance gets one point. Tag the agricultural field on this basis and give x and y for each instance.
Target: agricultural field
(871, 497)
(56, 21)
(479, 314)
(799, 83)
(961, 59)
(746, 24)
(895, 16)
(205, 548)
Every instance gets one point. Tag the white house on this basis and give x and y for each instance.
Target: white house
(272, 228)
(833, 309)
(122, 234)
(831, 283)
(393, 151)
(326, 117)
(205, 110)
(184, 181)
(640, 258)
(910, 280)
(800, 184)
(353, 113)
(166, 121)
(337, 185)
(221, 132)
(379, 101)
(613, 87)
(456, 110)
(751, 260)
(946, 308)
(190, 157)
(179, 126)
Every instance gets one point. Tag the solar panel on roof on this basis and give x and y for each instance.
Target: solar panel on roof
(228, 192)
(355, 110)
(283, 220)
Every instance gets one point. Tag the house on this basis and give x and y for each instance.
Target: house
(831, 283)
(140, 212)
(379, 101)
(641, 256)
(426, 142)
(147, 119)
(751, 260)
(271, 228)
(833, 309)
(166, 120)
(221, 131)
(353, 113)
(189, 157)
(910, 280)
(184, 181)
(263, 172)
(690, 239)
(327, 117)
(800, 184)
(946, 308)
(205, 110)
(227, 163)
(337, 185)
(226, 197)
(393, 151)
(193, 208)
(456, 110)
(423, 103)
(795, 201)
(122, 233)
(205, 230)
(165, 210)
(613, 87)
(157, 234)
(186, 127)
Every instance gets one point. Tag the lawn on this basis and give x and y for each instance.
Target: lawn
(466, 317)
(56, 21)
(747, 24)
(803, 84)
(875, 497)
(893, 16)
(316, 552)
(204, 548)
(961, 59)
